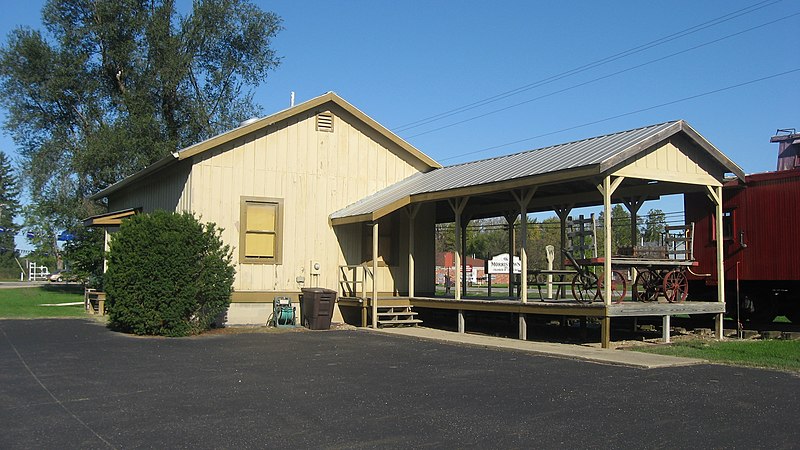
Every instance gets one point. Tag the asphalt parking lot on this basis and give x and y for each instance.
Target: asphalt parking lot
(75, 384)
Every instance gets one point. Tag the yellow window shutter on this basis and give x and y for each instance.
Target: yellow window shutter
(261, 216)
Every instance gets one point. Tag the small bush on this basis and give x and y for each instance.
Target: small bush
(168, 275)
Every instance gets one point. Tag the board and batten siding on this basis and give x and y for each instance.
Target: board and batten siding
(169, 190)
(671, 161)
(314, 172)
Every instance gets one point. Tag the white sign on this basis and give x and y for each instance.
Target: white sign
(499, 264)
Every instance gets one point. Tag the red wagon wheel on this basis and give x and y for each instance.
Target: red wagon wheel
(676, 286)
(618, 286)
(646, 286)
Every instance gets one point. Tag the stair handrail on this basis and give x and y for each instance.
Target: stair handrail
(350, 287)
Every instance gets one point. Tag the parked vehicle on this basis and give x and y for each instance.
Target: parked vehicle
(760, 216)
(63, 275)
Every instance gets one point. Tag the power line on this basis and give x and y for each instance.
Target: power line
(630, 113)
(591, 65)
(613, 74)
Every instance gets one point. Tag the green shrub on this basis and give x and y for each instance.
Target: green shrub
(168, 275)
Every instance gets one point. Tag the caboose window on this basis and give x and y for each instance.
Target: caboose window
(728, 225)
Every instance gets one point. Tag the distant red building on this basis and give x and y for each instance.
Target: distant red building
(476, 270)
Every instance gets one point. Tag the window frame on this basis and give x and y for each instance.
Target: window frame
(279, 228)
(728, 224)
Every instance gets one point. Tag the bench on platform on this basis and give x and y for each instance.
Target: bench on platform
(560, 279)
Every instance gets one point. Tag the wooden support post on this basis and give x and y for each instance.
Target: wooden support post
(607, 188)
(487, 275)
(374, 275)
(633, 206)
(412, 215)
(511, 217)
(605, 332)
(463, 268)
(550, 253)
(665, 328)
(106, 248)
(458, 206)
(563, 213)
(461, 323)
(715, 192)
(364, 315)
(523, 327)
(523, 200)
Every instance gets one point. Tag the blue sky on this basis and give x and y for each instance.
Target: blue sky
(403, 61)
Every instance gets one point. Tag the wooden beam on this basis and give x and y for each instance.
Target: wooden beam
(607, 188)
(463, 268)
(633, 205)
(374, 275)
(605, 332)
(458, 206)
(510, 217)
(412, 215)
(717, 194)
(562, 212)
(523, 198)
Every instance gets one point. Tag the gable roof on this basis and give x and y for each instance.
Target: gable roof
(264, 122)
(561, 163)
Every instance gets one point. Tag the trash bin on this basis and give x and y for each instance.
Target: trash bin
(317, 308)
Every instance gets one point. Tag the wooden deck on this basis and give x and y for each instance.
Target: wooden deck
(549, 307)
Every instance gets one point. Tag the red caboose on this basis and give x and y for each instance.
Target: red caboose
(762, 248)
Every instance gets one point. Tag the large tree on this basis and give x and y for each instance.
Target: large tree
(110, 86)
(654, 226)
(9, 207)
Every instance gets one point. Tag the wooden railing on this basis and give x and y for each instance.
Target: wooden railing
(679, 242)
(350, 281)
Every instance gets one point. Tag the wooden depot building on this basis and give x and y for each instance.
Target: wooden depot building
(321, 195)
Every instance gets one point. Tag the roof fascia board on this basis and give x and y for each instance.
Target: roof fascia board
(427, 160)
(110, 218)
(301, 108)
(158, 165)
(236, 133)
(351, 219)
(713, 151)
(679, 126)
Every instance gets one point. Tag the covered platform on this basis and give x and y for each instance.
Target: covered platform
(628, 167)
(555, 308)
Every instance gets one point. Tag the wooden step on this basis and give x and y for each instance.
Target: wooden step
(383, 323)
(398, 313)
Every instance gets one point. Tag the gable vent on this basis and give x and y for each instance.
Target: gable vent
(325, 121)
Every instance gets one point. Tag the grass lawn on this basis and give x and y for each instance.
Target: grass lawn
(26, 302)
(771, 354)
